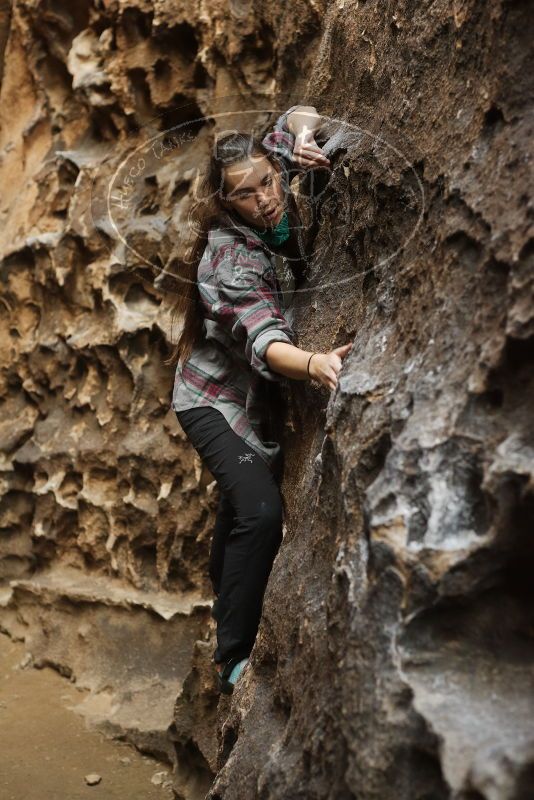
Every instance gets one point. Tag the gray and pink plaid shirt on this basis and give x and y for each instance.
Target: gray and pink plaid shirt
(240, 280)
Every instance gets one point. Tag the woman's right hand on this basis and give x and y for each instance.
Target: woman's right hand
(324, 367)
(307, 152)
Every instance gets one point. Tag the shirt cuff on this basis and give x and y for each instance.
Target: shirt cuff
(281, 123)
(281, 141)
(261, 343)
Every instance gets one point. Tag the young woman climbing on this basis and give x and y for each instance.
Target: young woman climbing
(237, 341)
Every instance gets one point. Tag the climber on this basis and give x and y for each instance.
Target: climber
(237, 341)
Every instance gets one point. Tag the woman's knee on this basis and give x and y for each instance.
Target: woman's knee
(270, 512)
(265, 509)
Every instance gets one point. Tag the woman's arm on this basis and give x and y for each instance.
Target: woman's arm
(292, 362)
(242, 295)
(303, 117)
(296, 144)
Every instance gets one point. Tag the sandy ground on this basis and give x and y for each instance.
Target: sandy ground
(46, 749)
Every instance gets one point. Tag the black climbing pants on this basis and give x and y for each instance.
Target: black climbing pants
(248, 527)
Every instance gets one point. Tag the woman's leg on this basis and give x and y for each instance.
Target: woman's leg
(224, 522)
(251, 546)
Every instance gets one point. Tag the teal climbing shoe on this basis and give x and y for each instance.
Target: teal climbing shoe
(228, 676)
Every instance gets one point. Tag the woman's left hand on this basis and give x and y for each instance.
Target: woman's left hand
(307, 152)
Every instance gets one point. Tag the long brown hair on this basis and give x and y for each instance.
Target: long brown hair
(207, 211)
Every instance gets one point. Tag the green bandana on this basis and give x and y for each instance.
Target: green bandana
(276, 235)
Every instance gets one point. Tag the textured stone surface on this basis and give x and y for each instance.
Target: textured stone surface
(405, 666)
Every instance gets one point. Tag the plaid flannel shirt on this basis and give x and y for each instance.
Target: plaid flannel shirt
(245, 309)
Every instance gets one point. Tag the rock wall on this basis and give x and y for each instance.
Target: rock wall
(405, 666)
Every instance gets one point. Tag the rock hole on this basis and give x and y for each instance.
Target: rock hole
(201, 77)
(141, 93)
(147, 565)
(181, 39)
(373, 459)
(181, 113)
(493, 398)
(465, 250)
(519, 353)
(55, 74)
(229, 740)
(136, 25)
(417, 773)
(137, 299)
(493, 121)
(103, 127)
(180, 191)
(162, 69)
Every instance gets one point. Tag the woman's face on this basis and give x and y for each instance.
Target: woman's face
(254, 189)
